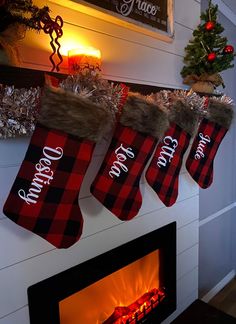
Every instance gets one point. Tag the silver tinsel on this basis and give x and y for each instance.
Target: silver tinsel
(18, 111)
(19, 108)
(224, 99)
(96, 89)
(161, 98)
(190, 98)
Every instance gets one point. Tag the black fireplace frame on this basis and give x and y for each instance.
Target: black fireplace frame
(44, 297)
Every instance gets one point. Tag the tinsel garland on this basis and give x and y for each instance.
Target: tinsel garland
(19, 108)
(96, 89)
(18, 111)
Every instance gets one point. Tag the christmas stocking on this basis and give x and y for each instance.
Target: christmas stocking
(211, 132)
(116, 185)
(44, 196)
(163, 172)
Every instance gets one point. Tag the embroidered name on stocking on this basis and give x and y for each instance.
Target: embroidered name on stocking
(116, 185)
(163, 172)
(122, 154)
(43, 176)
(201, 157)
(167, 151)
(204, 139)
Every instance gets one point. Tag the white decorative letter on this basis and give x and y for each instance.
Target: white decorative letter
(125, 8)
(25, 197)
(43, 176)
(201, 146)
(57, 150)
(168, 150)
(120, 157)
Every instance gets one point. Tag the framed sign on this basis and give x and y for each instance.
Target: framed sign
(150, 17)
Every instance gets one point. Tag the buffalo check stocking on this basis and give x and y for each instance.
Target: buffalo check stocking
(204, 148)
(163, 172)
(44, 196)
(116, 185)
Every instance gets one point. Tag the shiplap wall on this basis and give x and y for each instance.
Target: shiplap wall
(217, 206)
(127, 56)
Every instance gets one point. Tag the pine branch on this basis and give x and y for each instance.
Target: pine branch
(205, 41)
(22, 12)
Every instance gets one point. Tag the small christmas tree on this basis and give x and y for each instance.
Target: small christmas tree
(207, 53)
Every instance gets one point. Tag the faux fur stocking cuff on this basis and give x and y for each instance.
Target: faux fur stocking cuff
(65, 111)
(143, 116)
(183, 116)
(220, 113)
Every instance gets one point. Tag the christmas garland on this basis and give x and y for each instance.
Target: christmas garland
(18, 111)
(19, 108)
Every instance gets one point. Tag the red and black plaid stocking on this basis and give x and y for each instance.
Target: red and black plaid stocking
(163, 172)
(116, 185)
(210, 134)
(44, 196)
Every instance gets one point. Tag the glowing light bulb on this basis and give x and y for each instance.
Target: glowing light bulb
(84, 59)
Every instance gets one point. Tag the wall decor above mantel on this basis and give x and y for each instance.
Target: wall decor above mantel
(152, 17)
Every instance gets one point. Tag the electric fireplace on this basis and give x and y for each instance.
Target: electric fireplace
(132, 284)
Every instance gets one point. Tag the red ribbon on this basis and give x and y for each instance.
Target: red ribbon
(49, 27)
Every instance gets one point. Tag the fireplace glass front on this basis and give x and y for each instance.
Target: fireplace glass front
(132, 284)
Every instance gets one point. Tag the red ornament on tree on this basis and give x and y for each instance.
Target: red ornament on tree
(210, 25)
(229, 49)
(211, 57)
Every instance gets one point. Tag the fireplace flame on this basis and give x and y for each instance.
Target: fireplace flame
(95, 303)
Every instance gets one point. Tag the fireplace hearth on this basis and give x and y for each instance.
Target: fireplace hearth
(132, 284)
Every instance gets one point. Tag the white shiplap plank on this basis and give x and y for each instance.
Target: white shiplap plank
(187, 12)
(97, 217)
(90, 175)
(23, 244)
(12, 151)
(151, 201)
(20, 316)
(186, 156)
(187, 285)
(188, 236)
(187, 261)
(7, 177)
